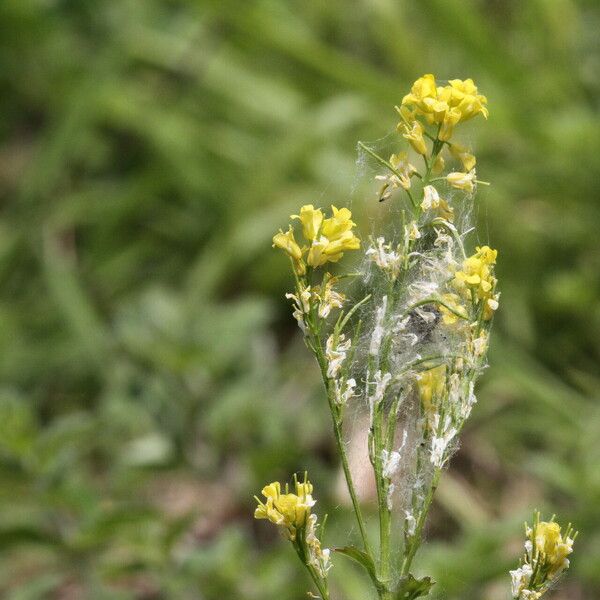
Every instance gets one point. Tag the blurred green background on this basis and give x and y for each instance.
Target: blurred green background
(151, 377)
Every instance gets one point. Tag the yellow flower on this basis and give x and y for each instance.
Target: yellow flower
(340, 223)
(476, 277)
(267, 510)
(460, 88)
(487, 254)
(546, 552)
(445, 211)
(414, 135)
(294, 511)
(466, 158)
(311, 220)
(472, 106)
(451, 119)
(290, 511)
(422, 89)
(316, 254)
(324, 250)
(462, 181)
(431, 386)
(547, 537)
(288, 244)
(336, 237)
(435, 110)
(335, 248)
(464, 96)
(551, 545)
(328, 238)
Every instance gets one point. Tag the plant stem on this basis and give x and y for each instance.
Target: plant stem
(340, 445)
(384, 513)
(435, 150)
(320, 586)
(416, 538)
(379, 159)
(319, 583)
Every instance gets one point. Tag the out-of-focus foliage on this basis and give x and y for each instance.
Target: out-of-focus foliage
(151, 378)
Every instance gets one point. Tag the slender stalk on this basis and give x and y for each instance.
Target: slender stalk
(340, 446)
(410, 552)
(434, 300)
(435, 150)
(384, 514)
(319, 583)
(379, 159)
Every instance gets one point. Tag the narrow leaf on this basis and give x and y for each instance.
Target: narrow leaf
(410, 588)
(363, 559)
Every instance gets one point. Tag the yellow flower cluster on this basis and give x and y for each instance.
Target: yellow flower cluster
(546, 552)
(445, 106)
(476, 281)
(288, 510)
(327, 239)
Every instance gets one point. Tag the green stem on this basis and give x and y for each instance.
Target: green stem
(412, 199)
(410, 552)
(319, 583)
(379, 159)
(435, 150)
(434, 300)
(384, 513)
(340, 445)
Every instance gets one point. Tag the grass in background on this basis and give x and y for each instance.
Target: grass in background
(148, 150)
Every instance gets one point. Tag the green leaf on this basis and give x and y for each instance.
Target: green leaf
(365, 560)
(343, 319)
(410, 588)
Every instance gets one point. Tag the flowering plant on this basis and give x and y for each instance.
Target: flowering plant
(409, 352)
